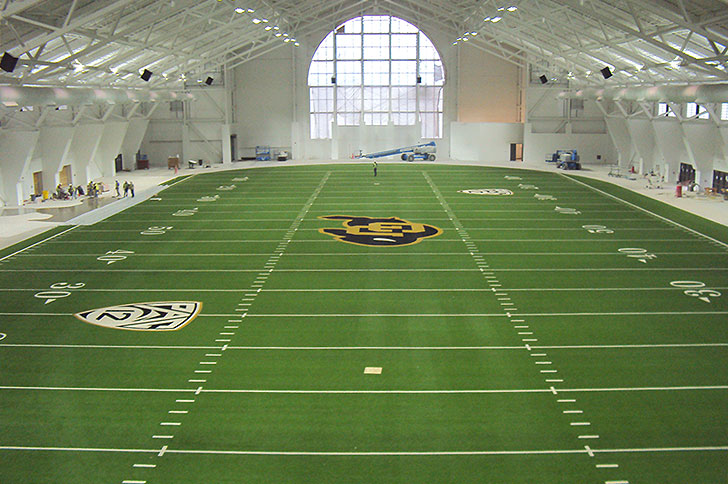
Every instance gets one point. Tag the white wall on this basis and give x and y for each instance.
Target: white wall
(642, 135)
(488, 88)
(272, 101)
(264, 99)
(537, 145)
(721, 163)
(132, 141)
(702, 143)
(194, 133)
(15, 179)
(552, 124)
(669, 135)
(484, 141)
(620, 136)
(85, 143)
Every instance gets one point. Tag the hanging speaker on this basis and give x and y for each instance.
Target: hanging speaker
(543, 79)
(146, 75)
(606, 73)
(419, 79)
(333, 79)
(209, 81)
(8, 62)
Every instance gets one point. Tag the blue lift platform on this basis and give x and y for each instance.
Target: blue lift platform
(424, 151)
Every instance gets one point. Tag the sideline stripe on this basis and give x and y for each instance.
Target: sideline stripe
(360, 348)
(660, 217)
(370, 254)
(535, 289)
(373, 454)
(38, 243)
(407, 315)
(544, 269)
(369, 392)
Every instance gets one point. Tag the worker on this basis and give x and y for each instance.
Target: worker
(375, 168)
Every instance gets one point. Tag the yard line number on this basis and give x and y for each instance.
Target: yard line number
(597, 229)
(59, 290)
(638, 253)
(112, 256)
(694, 289)
(156, 230)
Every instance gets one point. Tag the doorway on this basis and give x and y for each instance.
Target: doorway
(687, 173)
(38, 183)
(516, 151)
(64, 177)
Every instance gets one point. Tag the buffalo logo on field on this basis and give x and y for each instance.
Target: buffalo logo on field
(487, 191)
(149, 316)
(379, 232)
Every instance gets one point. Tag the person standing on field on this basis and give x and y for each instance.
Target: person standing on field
(375, 168)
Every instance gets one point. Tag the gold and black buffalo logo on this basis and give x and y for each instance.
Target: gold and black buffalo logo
(379, 232)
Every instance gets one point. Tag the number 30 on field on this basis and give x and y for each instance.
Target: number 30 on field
(693, 289)
(60, 290)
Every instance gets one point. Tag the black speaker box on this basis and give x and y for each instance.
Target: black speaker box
(606, 73)
(209, 81)
(8, 62)
(146, 75)
(543, 79)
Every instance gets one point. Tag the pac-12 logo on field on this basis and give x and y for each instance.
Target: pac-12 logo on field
(149, 316)
(487, 191)
(379, 232)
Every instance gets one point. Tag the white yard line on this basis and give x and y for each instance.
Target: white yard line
(367, 392)
(716, 448)
(415, 315)
(369, 348)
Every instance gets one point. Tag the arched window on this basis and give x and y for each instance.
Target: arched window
(376, 70)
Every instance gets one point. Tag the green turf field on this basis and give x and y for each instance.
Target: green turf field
(565, 331)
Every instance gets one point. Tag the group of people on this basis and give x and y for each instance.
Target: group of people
(128, 189)
(62, 193)
(94, 190)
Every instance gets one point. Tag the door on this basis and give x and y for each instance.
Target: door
(65, 175)
(516, 151)
(38, 182)
(234, 147)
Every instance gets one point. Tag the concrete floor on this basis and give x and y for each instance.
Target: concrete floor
(20, 223)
